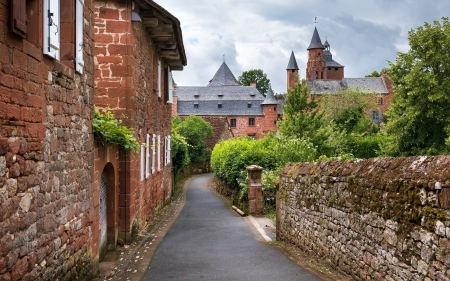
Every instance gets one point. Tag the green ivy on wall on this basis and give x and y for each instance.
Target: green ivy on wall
(107, 129)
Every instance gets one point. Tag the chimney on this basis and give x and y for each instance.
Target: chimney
(253, 83)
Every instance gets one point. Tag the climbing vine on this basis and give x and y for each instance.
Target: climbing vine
(107, 129)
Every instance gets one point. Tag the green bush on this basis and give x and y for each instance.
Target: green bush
(367, 146)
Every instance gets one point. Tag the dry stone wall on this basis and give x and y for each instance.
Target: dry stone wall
(375, 219)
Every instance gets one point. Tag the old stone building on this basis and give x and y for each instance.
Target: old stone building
(136, 48)
(247, 111)
(325, 75)
(46, 144)
(65, 198)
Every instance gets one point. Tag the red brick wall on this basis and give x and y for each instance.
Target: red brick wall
(46, 158)
(292, 78)
(126, 68)
(316, 63)
(270, 118)
(333, 74)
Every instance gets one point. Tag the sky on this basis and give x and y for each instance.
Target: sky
(261, 34)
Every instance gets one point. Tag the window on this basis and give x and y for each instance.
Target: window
(169, 85)
(233, 123)
(249, 105)
(275, 122)
(142, 162)
(220, 95)
(196, 95)
(159, 78)
(147, 156)
(251, 121)
(219, 105)
(159, 152)
(79, 44)
(376, 116)
(196, 105)
(253, 136)
(153, 153)
(275, 108)
(380, 100)
(51, 26)
(167, 146)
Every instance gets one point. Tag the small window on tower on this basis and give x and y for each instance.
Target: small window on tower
(336, 68)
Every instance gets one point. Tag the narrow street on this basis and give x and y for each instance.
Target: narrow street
(209, 241)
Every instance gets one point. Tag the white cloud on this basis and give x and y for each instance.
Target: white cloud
(260, 34)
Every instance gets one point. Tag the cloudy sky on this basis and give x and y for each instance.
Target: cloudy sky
(260, 34)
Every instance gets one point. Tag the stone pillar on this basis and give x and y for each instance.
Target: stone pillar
(255, 194)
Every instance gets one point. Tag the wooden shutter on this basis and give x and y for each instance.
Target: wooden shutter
(52, 28)
(19, 17)
(170, 86)
(166, 84)
(79, 43)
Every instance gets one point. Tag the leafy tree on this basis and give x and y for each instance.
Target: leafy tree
(347, 109)
(419, 115)
(180, 152)
(262, 82)
(194, 130)
(302, 118)
(374, 74)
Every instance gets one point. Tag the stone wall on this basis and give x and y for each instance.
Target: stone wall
(375, 219)
(46, 152)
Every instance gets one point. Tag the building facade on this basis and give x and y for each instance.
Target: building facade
(247, 111)
(326, 76)
(65, 198)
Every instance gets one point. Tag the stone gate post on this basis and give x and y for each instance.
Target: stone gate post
(255, 193)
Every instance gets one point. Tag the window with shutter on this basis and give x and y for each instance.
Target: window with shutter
(51, 28)
(153, 152)
(79, 43)
(159, 78)
(142, 162)
(159, 152)
(19, 17)
(147, 156)
(170, 85)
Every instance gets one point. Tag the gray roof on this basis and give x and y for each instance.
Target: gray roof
(270, 98)
(365, 85)
(292, 65)
(223, 77)
(316, 43)
(234, 100)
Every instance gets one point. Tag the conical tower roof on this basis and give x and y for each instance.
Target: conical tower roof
(223, 77)
(270, 97)
(292, 65)
(316, 43)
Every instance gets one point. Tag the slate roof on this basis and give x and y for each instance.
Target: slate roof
(316, 43)
(365, 85)
(223, 77)
(270, 97)
(292, 65)
(234, 100)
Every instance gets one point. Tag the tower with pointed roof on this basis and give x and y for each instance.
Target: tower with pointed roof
(320, 61)
(292, 72)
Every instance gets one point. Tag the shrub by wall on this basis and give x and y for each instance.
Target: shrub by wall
(375, 219)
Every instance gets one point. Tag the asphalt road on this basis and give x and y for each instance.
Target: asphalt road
(209, 241)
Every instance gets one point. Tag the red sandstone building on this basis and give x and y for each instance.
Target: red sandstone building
(64, 198)
(228, 105)
(324, 76)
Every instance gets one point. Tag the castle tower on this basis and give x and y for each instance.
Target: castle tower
(316, 66)
(292, 72)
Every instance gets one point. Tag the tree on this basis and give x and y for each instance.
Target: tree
(194, 130)
(374, 74)
(419, 115)
(257, 75)
(303, 120)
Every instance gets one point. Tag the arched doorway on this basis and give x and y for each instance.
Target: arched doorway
(107, 211)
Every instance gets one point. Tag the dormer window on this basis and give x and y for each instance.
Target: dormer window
(220, 95)
(219, 105)
(249, 105)
(196, 95)
(252, 94)
(196, 105)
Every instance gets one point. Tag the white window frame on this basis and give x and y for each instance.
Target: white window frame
(159, 153)
(159, 78)
(142, 162)
(79, 42)
(51, 34)
(170, 85)
(147, 156)
(167, 146)
(153, 152)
